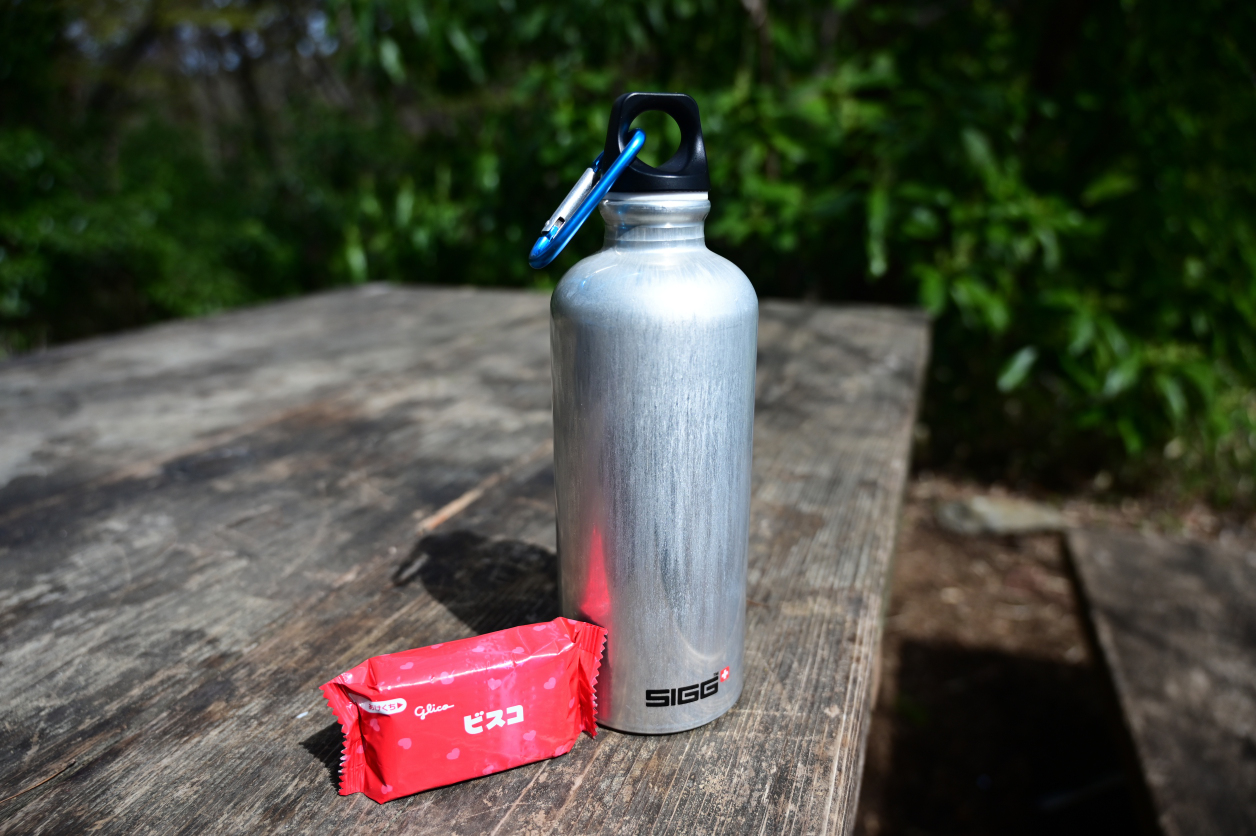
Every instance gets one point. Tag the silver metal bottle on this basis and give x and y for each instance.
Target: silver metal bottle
(653, 342)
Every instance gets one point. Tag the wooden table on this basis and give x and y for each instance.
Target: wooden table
(1175, 624)
(202, 522)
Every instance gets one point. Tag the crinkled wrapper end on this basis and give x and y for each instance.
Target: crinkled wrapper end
(351, 759)
(590, 639)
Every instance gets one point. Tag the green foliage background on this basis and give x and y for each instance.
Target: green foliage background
(1067, 186)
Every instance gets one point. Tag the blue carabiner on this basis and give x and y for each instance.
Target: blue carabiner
(579, 203)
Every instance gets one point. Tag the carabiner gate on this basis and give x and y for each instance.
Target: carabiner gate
(580, 202)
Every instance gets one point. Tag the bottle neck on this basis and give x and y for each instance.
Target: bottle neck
(656, 220)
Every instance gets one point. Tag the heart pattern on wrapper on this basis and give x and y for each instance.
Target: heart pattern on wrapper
(472, 670)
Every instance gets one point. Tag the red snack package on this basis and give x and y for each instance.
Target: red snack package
(437, 715)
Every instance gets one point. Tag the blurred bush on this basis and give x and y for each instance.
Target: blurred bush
(1067, 186)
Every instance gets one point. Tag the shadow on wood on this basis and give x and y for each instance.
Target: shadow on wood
(987, 742)
(488, 584)
(325, 745)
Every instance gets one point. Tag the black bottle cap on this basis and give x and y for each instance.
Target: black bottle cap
(686, 171)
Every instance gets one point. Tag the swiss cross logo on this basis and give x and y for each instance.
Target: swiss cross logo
(724, 674)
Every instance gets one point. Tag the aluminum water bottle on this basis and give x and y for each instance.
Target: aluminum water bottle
(653, 342)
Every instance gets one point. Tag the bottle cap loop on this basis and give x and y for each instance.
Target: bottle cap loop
(686, 171)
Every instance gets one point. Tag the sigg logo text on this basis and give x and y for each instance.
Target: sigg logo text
(664, 697)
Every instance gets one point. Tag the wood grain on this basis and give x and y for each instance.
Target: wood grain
(202, 522)
(1176, 626)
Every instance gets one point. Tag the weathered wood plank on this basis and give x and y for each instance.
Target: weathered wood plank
(125, 405)
(245, 525)
(194, 601)
(1176, 626)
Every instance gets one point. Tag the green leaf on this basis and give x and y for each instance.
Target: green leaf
(467, 51)
(1017, 369)
(878, 220)
(1121, 377)
(1130, 435)
(980, 154)
(1109, 185)
(355, 255)
(932, 289)
(1174, 397)
(405, 203)
(1082, 334)
(978, 302)
(390, 60)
